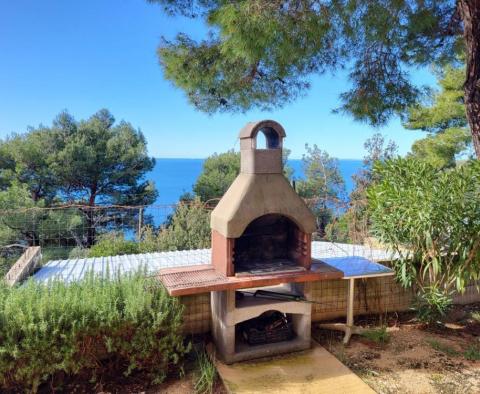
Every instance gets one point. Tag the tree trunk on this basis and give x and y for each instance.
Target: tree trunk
(470, 14)
(91, 231)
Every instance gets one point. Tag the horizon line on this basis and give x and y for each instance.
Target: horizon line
(204, 158)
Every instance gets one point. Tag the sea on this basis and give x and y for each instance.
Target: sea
(173, 177)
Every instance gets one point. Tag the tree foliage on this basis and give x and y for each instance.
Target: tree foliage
(431, 219)
(260, 54)
(219, 172)
(354, 222)
(189, 228)
(443, 117)
(441, 150)
(444, 109)
(323, 186)
(91, 161)
(26, 159)
(12, 221)
(83, 162)
(97, 161)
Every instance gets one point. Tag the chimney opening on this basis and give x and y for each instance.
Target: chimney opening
(269, 138)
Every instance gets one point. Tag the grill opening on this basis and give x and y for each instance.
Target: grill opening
(270, 243)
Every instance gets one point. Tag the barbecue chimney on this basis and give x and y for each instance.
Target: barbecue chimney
(261, 224)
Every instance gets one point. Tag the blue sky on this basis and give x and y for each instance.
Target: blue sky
(83, 56)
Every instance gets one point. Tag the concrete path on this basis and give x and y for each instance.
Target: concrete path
(308, 372)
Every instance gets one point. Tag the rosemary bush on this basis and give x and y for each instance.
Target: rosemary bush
(91, 327)
(431, 218)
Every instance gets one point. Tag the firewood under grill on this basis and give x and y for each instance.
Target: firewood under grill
(270, 327)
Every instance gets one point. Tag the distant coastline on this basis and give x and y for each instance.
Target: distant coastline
(175, 176)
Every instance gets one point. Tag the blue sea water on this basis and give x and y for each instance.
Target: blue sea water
(173, 177)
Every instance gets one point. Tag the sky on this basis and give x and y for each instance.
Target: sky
(93, 54)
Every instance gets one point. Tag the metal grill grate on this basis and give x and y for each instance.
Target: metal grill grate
(202, 279)
(175, 280)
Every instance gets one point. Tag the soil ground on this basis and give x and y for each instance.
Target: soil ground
(413, 358)
(135, 385)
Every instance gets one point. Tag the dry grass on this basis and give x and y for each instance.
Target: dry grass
(414, 359)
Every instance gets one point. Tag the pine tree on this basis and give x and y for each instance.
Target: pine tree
(260, 54)
(442, 116)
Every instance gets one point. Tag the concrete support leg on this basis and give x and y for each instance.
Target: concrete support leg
(350, 300)
(227, 313)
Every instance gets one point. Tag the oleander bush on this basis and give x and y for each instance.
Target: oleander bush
(93, 327)
(431, 219)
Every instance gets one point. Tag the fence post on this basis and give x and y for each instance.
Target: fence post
(140, 222)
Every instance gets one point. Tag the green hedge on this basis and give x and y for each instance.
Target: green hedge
(90, 327)
(113, 244)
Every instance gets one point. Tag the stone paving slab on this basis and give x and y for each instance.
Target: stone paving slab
(308, 372)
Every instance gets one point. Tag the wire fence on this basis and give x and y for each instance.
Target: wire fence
(73, 230)
(63, 229)
(181, 232)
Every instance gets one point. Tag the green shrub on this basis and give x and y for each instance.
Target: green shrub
(472, 353)
(206, 374)
(78, 252)
(432, 304)
(476, 316)
(218, 173)
(113, 244)
(441, 347)
(5, 265)
(55, 253)
(188, 228)
(378, 335)
(338, 229)
(431, 218)
(128, 324)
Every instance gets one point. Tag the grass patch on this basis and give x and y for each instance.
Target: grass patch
(341, 355)
(206, 374)
(472, 353)
(476, 316)
(441, 347)
(377, 335)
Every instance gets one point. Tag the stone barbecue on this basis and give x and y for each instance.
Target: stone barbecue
(261, 257)
(261, 227)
